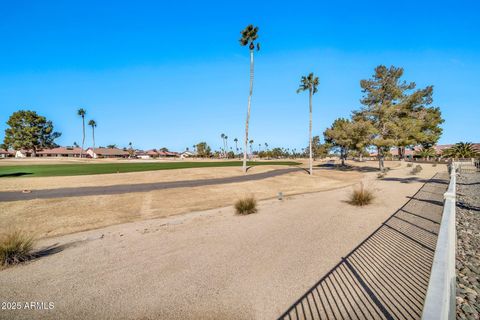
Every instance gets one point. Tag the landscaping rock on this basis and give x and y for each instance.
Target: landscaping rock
(468, 246)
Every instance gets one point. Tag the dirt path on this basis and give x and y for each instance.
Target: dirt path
(203, 265)
(144, 187)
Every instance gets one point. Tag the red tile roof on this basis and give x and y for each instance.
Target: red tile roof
(61, 150)
(110, 152)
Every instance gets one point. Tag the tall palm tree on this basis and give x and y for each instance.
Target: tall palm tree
(236, 143)
(266, 146)
(223, 143)
(249, 36)
(82, 112)
(309, 83)
(226, 143)
(251, 146)
(93, 124)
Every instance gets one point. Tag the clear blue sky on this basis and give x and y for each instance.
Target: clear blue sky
(168, 73)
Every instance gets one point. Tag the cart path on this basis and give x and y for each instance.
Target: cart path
(143, 187)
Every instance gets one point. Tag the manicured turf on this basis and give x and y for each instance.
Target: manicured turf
(50, 170)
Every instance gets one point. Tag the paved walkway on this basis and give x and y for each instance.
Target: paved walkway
(143, 187)
(386, 276)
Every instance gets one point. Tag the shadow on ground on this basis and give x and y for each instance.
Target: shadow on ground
(386, 276)
(14, 174)
(414, 179)
(339, 167)
(48, 251)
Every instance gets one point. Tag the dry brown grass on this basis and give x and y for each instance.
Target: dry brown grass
(247, 205)
(52, 217)
(15, 247)
(361, 196)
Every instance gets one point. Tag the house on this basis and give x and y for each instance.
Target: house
(152, 154)
(167, 154)
(22, 153)
(140, 154)
(442, 147)
(107, 153)
(187, 154)
(6, 153)
(61, 152)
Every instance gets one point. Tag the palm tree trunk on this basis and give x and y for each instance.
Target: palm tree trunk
(93, 136)
(310, 132)
(83, 136)
(248, 112)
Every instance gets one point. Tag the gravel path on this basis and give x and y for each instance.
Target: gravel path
(468, 246)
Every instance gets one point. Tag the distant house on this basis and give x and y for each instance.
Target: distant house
(22, 153)
(60, 152)
(442, 147)
(167, 154)
(187, 154)
(409, 153)
(6, 153)
(140, 154)
(152, 154)
(107, 153)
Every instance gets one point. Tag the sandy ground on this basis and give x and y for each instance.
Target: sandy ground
(49, 217)
(204, 265)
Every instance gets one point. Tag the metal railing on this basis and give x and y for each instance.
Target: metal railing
(440, 300)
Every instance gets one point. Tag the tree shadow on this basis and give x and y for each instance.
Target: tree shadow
(414, 179)
(468, 184)
(14, 174)
(466, 206)
(339, 167)
(49, 250)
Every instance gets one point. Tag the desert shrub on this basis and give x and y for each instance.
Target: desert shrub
(361, 196)
(247, 205)
(381, 175)
(15, 247)
(434, 165)
(417, 169)
(409, 164)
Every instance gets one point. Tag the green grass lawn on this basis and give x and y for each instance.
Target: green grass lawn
(50, 170)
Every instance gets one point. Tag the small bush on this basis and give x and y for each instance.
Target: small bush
(417, 169)
(247, 205)
(381, 175)
(409, 164)
(434, 165)
(361, 196)
(15, 247)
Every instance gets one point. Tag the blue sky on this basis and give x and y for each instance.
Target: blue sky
(173, 73)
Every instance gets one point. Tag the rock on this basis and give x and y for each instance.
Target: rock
(467, 308)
